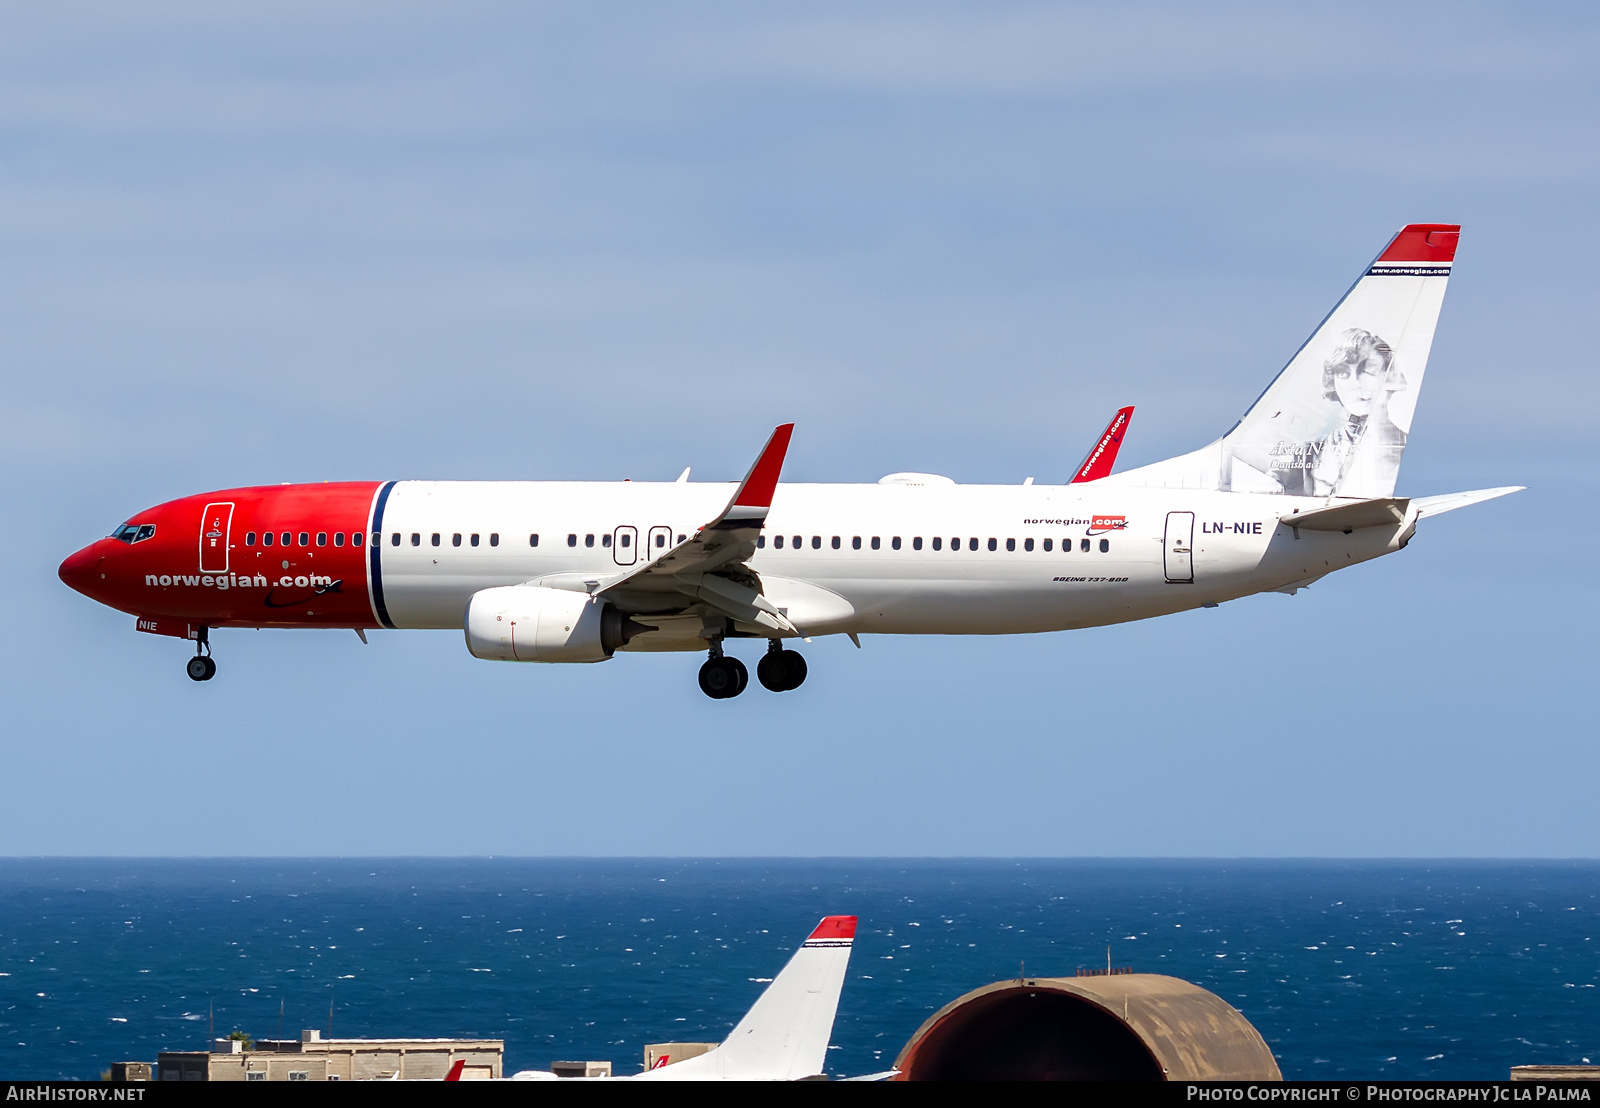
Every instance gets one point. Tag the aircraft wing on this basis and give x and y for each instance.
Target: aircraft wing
(712, 567)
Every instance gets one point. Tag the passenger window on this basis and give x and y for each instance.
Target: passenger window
(436, 538)
(993, 545)
(795, 543)
(972, 544)
(1084, 546)
(916, 543)
(416, 539)
(1047, 545)
(1105, 545)
(286, 539)
(394, 540)
(322, 538)
(605, 541)
(266, 538)
(855, 543)
(938, 543)
(494, 539)
(761, 542)
(627, 540)
(777, 541)
(355, 538)
(305, 538)
(338, 538)
(474, 538)
(681, 538)
(455, 539)
(895, 542)
(1027, 544)
(1011, 544)
(249, 538)
(876, 542)
(816, 542)
(588, 540)
(572, 540)
(661, 541)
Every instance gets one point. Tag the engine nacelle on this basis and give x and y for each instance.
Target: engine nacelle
(529, 623)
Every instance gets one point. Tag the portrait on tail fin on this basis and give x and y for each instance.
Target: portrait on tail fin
(1341, 435)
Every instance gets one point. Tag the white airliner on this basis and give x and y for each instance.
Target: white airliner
(1302, 485)
(784, 1036)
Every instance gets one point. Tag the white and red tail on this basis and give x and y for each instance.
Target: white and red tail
(784, 1037)
(1334, 422)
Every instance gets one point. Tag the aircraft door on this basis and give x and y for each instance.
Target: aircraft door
(625, 545)
(1178, 548)
(214, 526)
(660, 543)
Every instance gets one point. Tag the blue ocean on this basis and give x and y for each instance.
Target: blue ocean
(1390, 969)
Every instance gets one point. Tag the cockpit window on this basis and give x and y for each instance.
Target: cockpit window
(131, 533)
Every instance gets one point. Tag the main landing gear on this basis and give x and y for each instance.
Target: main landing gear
(780, 670)
(202, 667)
(722, 677)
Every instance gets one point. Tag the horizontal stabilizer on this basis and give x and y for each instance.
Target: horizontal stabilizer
(1385, 511)
(1450, 501)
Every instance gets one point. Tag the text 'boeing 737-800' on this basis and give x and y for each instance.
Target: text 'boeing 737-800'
(565, 571)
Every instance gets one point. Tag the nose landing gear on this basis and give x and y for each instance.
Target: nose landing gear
(201, 667)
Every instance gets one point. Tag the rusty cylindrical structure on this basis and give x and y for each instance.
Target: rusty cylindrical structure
(1122, 1027)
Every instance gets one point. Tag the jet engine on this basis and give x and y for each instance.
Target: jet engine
(530, 623)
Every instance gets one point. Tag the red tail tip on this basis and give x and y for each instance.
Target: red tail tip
(835, 927)
(1424, 242)
(455, 1070)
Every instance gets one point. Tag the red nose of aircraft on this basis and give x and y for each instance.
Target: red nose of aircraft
(82, 571)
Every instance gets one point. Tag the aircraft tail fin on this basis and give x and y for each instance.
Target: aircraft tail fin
(1334, 422)
(784, 1036)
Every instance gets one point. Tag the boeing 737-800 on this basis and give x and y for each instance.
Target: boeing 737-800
(1302, 485)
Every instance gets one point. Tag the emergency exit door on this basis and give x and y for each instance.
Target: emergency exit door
(1178, 551)
(214, 525)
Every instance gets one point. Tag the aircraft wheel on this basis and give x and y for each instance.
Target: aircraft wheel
(781, 670)
(722, 678)
(201, 668)
(773, 671)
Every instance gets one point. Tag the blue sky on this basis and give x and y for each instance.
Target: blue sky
(296, 242)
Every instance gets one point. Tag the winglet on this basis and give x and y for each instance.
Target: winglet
(455, 1070)
(754, 495)
(1098, 462)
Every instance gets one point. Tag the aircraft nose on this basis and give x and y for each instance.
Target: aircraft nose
(81, 571)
